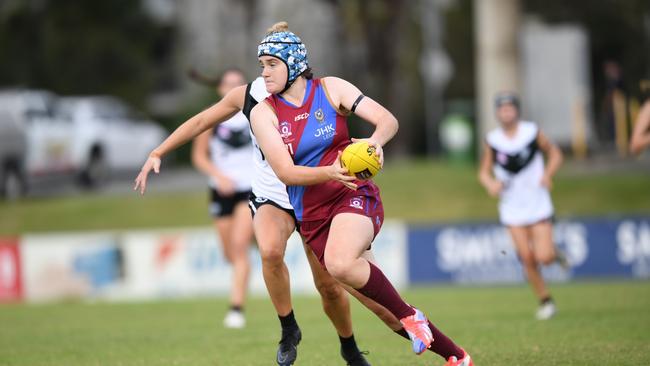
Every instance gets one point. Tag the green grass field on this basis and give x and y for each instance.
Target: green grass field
(416, 191)
(598, 324)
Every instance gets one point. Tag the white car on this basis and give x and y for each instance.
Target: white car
(86, 137)
(47, 138)
(108, 136)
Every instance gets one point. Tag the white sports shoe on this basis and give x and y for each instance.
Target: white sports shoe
(546, 311)
(234, 320)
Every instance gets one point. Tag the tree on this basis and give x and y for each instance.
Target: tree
(81, 47)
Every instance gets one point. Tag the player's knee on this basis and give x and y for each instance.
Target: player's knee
(546, 258)
(272, 255)
(339, 269)
(329, 290)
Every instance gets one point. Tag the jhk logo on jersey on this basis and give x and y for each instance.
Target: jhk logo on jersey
(325, 132)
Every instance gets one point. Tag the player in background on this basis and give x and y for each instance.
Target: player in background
(274, 222)
(512, 169)
(225, 155)
(302, 129)
(641, 134)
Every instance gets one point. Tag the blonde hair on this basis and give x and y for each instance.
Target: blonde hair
(278, 27)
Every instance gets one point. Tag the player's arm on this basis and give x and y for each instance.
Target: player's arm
(227, 107)
(264, 123)
(553, 158)
(346, 96)
(641, 134)
(201, 161)
(491, 185)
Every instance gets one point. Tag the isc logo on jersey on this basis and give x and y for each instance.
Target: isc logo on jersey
(301, 117)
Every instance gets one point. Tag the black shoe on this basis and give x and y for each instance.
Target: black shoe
(356, 359)
(288, 350)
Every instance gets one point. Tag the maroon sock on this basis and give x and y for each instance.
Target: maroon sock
(444, 346)
(382, 291)
(403, 333)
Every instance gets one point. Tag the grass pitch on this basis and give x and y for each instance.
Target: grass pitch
(597, 324)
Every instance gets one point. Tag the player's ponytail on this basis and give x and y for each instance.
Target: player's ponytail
(278, 27)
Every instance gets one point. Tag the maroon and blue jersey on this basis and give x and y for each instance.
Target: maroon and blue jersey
(314, 133)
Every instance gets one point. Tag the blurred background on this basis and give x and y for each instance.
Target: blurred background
(88, 88)
(435, 64)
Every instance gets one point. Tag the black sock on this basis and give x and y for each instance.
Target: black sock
(546, 300)
(288, 321)
(237, 308)
(349, 345)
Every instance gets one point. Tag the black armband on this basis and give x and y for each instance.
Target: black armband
(356, 102)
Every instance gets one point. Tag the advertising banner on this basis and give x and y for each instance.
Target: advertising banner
(11, 286)
(153, 264)
(74, 265)
(191, 262)
(483, 253)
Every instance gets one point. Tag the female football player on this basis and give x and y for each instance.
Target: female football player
(225, 154)
(512, 168)
(301, 128)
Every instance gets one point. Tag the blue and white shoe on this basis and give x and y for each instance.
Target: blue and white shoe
(417, 327)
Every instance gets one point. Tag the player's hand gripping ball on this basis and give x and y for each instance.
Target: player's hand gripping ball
(361, 160)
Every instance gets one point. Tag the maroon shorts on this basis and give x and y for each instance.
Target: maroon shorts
(364, 202)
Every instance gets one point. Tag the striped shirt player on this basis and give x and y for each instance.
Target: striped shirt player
(513, 169)
(231, 151)
(266, 187)
(519, 165)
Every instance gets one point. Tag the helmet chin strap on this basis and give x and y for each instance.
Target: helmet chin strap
(287, 85)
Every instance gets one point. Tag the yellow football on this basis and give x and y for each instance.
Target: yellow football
(361, 160)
